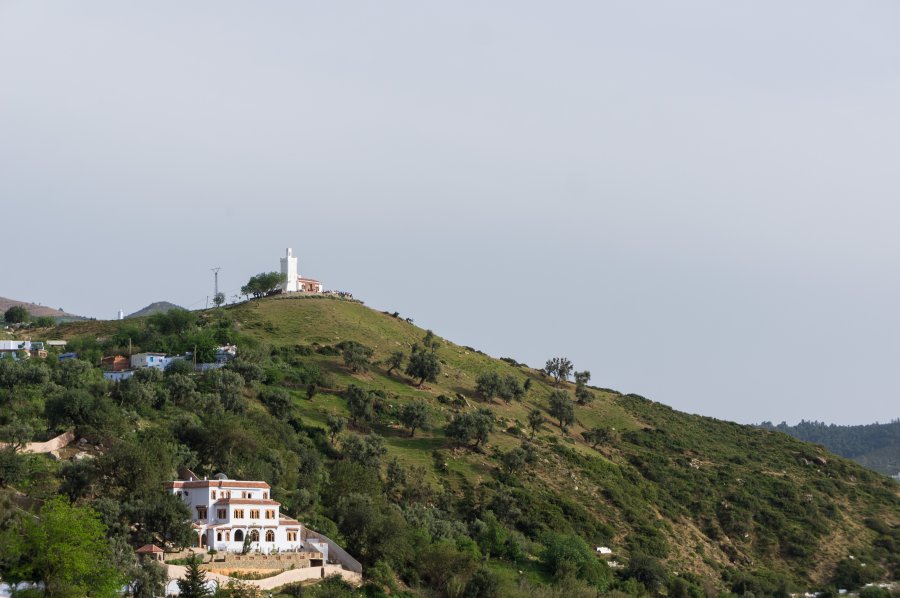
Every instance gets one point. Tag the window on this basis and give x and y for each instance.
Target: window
(228, 494)
(201, 512)
(227, 536)
(265, 496)
(214, 495)
(254, 535)
(239, 513)
(221, 513)
(270, 536)
(292, 536)
(254, 513)
(219, 536)
(239, 535)
(270, 513)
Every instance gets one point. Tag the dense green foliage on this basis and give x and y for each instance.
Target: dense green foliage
(16, 314)
(874, 445)
(436, 488)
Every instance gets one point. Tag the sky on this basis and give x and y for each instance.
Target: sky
(696, 201)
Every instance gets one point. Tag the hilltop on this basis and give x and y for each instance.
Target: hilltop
(688, 505)
(36, 310)
(157, 307)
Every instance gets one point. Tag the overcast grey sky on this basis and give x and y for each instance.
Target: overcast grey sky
(697, 201)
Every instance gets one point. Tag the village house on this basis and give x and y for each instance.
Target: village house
(227, 513)
(149, 360)
(24, 349)
(115, 363)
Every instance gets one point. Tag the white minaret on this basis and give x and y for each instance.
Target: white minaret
(289, 270)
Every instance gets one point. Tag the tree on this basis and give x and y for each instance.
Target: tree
(514, 460)
(173, 321)
(582, 378)
(414, 415)
(423, 365)
(64, 548)
(16, 315)
(536, 421)
(431, 342)
(360, 403)
(583, 396)
(596, 436)
(365, 450)
(510, 389)
(356, 356)
(475, 426)
(336, 425)
(562, 409)
(560, 368)
(193, 584)
(395, 361)
(44, 322)
(219, 299)
(489, 385)
(262, 284)
(148, 580)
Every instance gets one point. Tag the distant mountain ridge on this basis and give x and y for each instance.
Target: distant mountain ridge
(154, 308)
(876, 446)
(36, 310)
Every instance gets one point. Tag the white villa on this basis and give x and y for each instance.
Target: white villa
(226, 512)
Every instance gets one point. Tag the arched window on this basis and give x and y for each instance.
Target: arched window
(239, 535)
(254, 536)
(219, 536)
(270, 536)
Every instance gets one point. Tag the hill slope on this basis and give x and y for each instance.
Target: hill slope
(876, 446)
(720, 504)
(34, 309)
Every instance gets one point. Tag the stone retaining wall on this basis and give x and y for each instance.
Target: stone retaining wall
(284, 560)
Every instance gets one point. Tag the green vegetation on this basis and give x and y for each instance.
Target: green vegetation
(262, 284)
(876, 446)
(438, 489)
(16, 315)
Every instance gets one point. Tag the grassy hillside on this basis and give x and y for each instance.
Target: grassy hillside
(689, 505)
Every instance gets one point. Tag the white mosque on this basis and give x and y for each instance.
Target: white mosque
(293, 282)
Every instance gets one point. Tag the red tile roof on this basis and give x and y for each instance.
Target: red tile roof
(246, 501)
(216, 484)
(149, 549)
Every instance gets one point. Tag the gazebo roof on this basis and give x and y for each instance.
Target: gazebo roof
(149, 549)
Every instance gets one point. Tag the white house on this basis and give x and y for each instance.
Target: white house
(149, 360)
(226, 512)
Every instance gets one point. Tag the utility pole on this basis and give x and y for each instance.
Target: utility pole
(216, 293)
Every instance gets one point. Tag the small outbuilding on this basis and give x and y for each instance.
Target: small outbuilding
(150, 552)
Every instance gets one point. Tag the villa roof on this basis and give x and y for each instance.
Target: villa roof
(246, 501)
(288, 521)
(216, 484)
(149, 549)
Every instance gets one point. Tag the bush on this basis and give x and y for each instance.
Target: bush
(570, 555)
